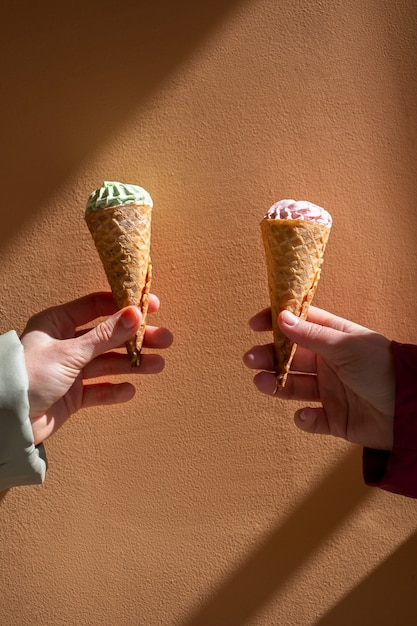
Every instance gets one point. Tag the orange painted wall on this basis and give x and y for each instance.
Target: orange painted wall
(199, 503)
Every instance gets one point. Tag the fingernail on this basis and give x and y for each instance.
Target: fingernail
(129, 318)
(307, 414)
(289, 318)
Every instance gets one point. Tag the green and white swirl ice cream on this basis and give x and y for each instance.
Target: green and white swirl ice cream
(112, 194)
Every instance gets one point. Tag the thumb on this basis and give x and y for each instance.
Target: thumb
(109, 334)
(319, 339)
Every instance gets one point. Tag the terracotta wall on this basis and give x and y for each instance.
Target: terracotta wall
(199, 503)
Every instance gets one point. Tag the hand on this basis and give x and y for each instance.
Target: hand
(60, 358)
(345, 367)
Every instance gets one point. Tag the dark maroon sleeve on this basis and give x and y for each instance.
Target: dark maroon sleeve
(396, 470)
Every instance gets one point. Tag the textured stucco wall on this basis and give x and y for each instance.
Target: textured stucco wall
(199, 503)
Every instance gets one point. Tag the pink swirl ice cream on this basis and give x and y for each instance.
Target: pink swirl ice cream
(299, 210)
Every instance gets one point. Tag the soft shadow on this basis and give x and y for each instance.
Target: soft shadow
(3, 494)
(266, 570)
(386, 597)
(72, 72)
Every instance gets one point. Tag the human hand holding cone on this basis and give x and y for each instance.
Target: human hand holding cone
(119, 219)
(295, 235)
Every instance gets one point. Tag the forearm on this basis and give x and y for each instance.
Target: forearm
(21, 463)
(396, 470)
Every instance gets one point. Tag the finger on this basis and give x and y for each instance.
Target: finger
(106, 393)
(260, 358)
(157, 338)
(266, 383)
(304, 361)
(312, 420)
(319, 339)
(109, 334)
(263, 358)
(261, 321)
(115, 364)
(62, 320)
(324, 318)
(93, 306)
(153, 303)
(87, 308)
(300, 387)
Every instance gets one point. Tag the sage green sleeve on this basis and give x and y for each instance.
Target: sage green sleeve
(20, 459)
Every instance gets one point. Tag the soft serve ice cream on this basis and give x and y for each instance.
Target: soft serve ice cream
(299, 210)
(116, 194)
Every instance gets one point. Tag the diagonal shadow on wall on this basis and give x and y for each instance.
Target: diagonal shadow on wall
(72, 72)
(386, 597)
(266, 570)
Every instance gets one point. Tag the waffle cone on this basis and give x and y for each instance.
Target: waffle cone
(294, 253)
(122, 237)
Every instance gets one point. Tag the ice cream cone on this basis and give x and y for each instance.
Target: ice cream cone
(294, 252)
(122, 236)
